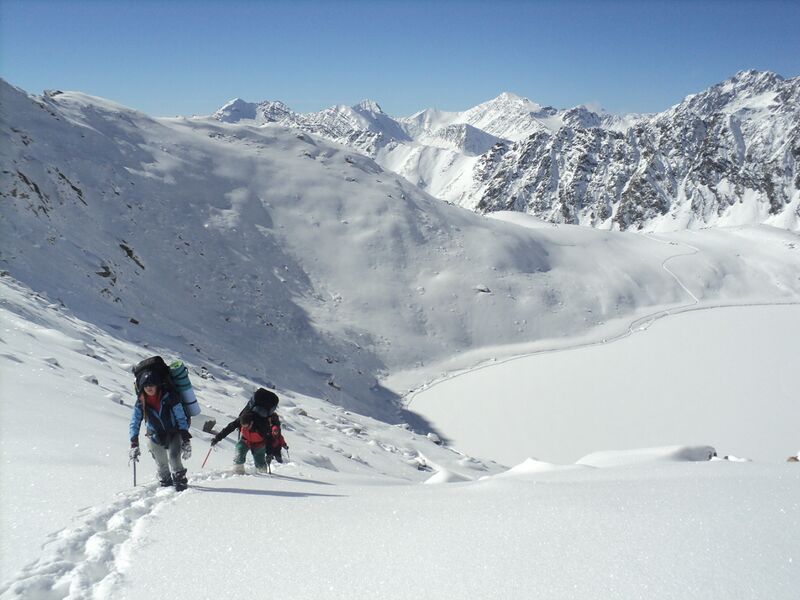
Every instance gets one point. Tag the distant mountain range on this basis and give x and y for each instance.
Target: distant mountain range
(725, 156)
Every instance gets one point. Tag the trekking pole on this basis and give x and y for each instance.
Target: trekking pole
(210, 448)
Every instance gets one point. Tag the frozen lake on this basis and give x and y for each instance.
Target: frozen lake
(726, 377)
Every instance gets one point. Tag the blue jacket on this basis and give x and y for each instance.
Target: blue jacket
(161, 425)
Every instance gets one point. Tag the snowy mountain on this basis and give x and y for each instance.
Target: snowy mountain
(267, 256)
(726, 156)
(206, 237)
(364, 126)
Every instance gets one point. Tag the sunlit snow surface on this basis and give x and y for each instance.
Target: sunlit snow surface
(279, 255)
(346, 517)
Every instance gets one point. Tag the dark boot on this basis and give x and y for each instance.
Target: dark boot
(166, 482)
(181, 483)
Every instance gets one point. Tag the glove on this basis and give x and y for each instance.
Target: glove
(186, 450)
(286, 446)
(214, 441)
(185, 435)
(134, 453)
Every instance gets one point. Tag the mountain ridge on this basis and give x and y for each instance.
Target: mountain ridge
(711, 159)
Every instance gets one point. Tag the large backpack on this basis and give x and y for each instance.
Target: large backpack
(174, 377)
(261, 408)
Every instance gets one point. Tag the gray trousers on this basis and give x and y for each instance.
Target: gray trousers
(167, 459)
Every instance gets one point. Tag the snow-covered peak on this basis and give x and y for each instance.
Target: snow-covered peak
(241, 111)
(428, 120)
(581, 117)
(369, 106)
(749, 90)
(235, 111)
(754, 80)
(507, 116)
(511, 99)
(275, 112)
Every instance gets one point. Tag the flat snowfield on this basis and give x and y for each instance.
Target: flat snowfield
(725, 377)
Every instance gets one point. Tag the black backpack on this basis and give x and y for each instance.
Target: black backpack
(156, 365)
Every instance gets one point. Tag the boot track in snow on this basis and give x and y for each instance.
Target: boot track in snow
(86, 560)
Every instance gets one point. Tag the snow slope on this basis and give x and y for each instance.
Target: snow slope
(297, 262)
(347, 516)
(268, 257)
(66, 404)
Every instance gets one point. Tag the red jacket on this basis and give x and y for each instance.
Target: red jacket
(252, 438)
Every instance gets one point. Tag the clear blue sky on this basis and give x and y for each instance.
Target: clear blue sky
(190, 57)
